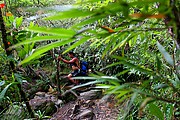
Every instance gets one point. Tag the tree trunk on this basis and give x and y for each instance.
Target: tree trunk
(58, 68)
(176, 14)
(9, 52)
(176, 30)
(176, 35)
(4, 39)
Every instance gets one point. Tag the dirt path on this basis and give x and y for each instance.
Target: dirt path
(87, 108)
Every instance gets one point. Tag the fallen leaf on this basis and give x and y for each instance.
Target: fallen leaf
(108, 29)
(9, 14)
(139, 15)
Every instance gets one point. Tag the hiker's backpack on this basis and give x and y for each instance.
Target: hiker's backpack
(84, 67)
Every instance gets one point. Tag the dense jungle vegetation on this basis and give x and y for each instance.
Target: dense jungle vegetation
(132, 48)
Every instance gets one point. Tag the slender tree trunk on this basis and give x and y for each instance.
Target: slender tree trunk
(175, 33)
(58, 68)
(4, 39)
(58, 75)
(176, 13)
(176, 30)
(9, 52)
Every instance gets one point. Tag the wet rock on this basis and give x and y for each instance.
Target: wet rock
(88, 106)
(43, 105)
(45, 102)
(85, 114)
(91, 95)
(65, 112)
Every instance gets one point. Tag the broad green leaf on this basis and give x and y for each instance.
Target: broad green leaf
(79, 42)
(72, 13)
(3, 92)
(44, 49)
(156, 111)
(39, 39)
(53, 31)
(19, 21)
(21, 53)
(165, 54)
(2, 83)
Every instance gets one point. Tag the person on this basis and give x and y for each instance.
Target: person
(74, 64)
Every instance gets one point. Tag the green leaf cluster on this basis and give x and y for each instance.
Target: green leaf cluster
(133, 32)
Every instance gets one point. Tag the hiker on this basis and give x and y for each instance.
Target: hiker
(74, 64)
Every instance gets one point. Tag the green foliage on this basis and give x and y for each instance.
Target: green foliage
(15, 111)
(9, 91)
(73, 13)
(41, 115)
(18, 36)
(54, 31)
(132, 32)
(25, 3)
(2, 94)
(44, 49)
(154, 110)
